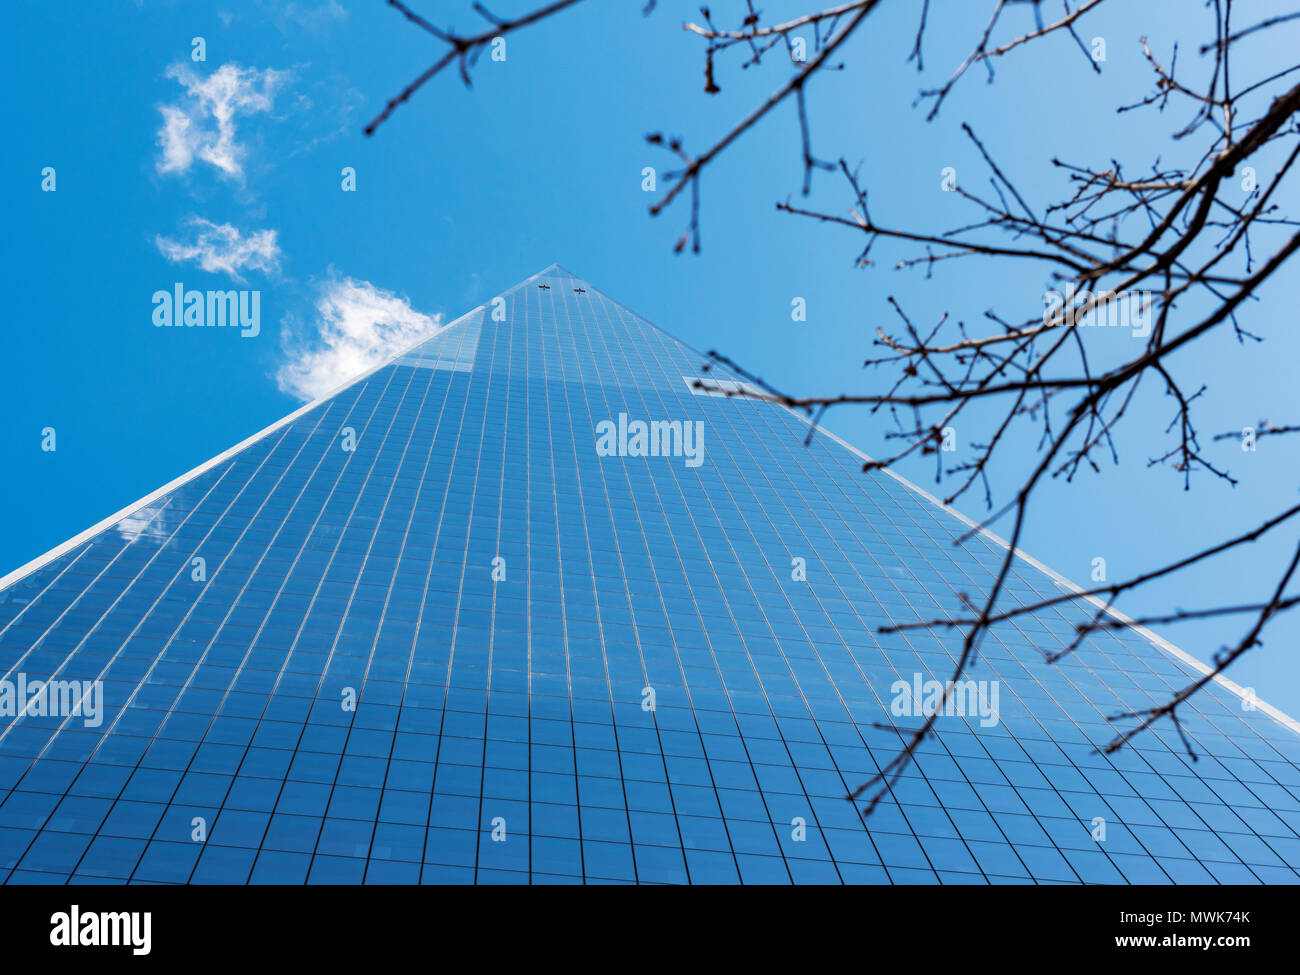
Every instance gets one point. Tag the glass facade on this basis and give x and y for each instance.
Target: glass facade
(451, 625)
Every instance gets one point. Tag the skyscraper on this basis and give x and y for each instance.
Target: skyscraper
(526, 604)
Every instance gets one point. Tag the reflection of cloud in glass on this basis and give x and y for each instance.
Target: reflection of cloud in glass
(148, 522)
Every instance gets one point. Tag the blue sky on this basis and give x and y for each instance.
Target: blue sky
(227, 173)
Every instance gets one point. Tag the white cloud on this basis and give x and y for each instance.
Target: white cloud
(202, 124)
(221, 247)
(357, 327)
(316, 18)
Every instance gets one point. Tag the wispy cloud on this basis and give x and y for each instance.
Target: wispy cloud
(317, 18)
(222, 248)
(357, 327)
(201, 125)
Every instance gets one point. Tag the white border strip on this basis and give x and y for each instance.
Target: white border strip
(1279, 716)
(95, 529)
